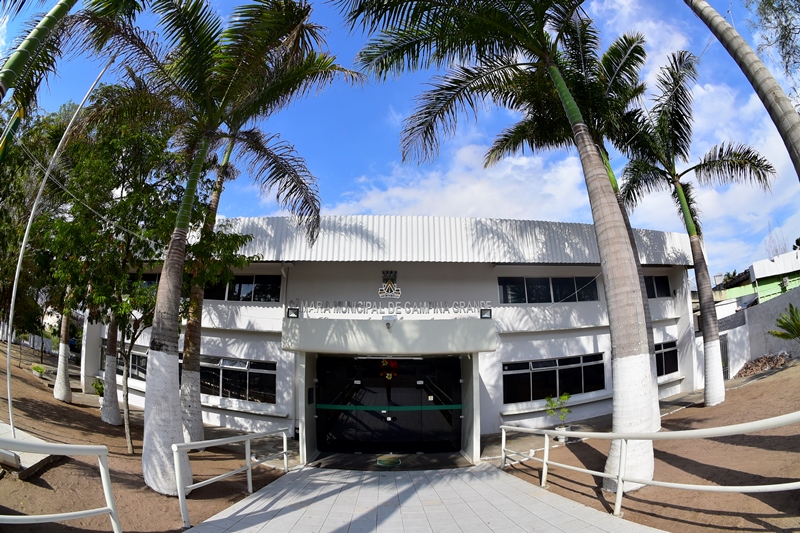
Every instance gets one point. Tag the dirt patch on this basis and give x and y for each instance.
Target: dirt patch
(72, 484)
(761, 458)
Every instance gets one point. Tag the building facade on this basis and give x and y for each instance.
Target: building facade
(420, 334)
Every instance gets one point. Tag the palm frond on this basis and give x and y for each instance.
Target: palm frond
(673, 107)
(528, 133)
(275, 166)
(284, 83)
(642, 177)
(788, 324)
(734, 163)
(193, 32)
(460, 89)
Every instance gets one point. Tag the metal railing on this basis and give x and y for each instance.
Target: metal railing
(70, 450)
(621, 477)
(184, 447)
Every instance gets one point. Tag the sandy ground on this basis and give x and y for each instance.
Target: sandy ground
(760, 458)
(756, 459)
(72, 484)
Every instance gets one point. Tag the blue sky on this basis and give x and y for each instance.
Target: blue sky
(349, 137)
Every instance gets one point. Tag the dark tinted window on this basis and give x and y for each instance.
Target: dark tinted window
(512, 290)
(538, 290)
(564, 290)
(587, 289)
(267, 289)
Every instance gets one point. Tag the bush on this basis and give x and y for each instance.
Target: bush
(98, 386)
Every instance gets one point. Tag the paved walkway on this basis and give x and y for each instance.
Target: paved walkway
(477, 499)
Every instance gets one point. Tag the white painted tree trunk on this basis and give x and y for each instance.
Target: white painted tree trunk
(110, 410)
(162, 426)
(773, 97)
(632, 405)
(61, 389)
(192, 413)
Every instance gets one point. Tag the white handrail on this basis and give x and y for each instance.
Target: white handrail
(184, 447)
(621, 478)
(71, 450)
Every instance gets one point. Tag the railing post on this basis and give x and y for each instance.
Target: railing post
(503, 448)
(105, 476)
(249, 466)
(545, 459)
(623, 455)
(176, 457)
(285, 454)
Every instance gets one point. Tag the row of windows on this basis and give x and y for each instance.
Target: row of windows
(518, 290)
(246, 289)
(252, 381)
(536, 380)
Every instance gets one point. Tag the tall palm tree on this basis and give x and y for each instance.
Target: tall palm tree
(294, 69)
(663, 140)
(605, 88)
(777, 104)
(211, 70)
(501, 39)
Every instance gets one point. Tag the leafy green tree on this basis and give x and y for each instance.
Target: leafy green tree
(664, 139)
(778, 26)
(499, 40)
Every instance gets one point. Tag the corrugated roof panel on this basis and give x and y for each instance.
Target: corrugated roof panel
(445, 239)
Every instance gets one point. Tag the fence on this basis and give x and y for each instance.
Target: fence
(621, 478)
(70, 450)
(178, 449)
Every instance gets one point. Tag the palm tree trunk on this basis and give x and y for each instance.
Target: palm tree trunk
(191, 408)
(18, 60)
(631, 375)
(778, 105)
(126, 410)
(110, 411)
(648, 321)
(61, 389)
(714, 391)
(162, 410)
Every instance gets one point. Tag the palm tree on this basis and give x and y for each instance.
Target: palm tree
(212, 72)
(777, 104)
(294, 71)
(502, 39)
(605, 88)
(664, 139)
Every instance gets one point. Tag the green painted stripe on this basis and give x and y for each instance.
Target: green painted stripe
(331, 407)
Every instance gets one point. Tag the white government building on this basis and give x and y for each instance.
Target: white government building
(420, 334)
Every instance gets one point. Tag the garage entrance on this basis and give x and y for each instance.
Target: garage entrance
(376, 404)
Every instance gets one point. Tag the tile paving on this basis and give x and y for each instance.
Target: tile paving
(476, 499)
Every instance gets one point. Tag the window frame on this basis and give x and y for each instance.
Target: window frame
(584, 290)
(225, 292)
(555, 365)
(662, 350)
(228, 364)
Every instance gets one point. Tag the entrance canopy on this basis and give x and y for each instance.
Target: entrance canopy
(389, 337)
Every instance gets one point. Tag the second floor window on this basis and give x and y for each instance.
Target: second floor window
(247, 288)
(519, 290)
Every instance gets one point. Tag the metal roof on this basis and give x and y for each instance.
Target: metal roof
(434, 239)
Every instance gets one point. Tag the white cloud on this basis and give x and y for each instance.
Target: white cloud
(526, 187)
